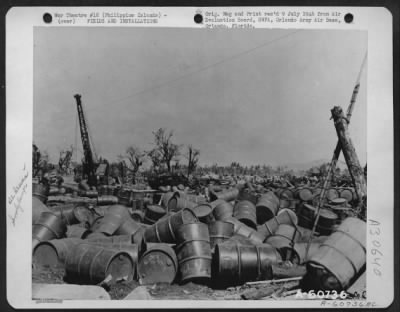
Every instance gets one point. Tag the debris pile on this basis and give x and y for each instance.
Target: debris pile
(249, 240)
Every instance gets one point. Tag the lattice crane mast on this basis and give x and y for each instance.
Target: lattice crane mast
(89, 166)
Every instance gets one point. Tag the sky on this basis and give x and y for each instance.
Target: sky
(256, 97)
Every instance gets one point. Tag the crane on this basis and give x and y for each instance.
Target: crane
(89, 166)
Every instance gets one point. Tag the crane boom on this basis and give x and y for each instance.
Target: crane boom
(89, 166)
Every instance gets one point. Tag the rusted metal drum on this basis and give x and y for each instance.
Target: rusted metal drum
(54, 252)
(164, 231)
(116, 239)
(53, 191)
(96, 235)
(138, 216)
(118, 210)
(326, 222)
(304, 194)
(66, 212)
(245, 212)
(153, 213)
(219, 232)
(83, 185)
(284, 193)
(348, 194)
(341, 210)
(37, 208)
(267, 207)
(285, 216)
(77, 231)
(305, 214)
(284, 239)
(48, 226)
(83, 214)
(316, 190)
(169, 199)
(237, 239)
(133, 250)
(90, 194)
(125, 196)
(182, 203)
(222, 209)
(107, 224)
(246, 231)
(237, 264)
(300, 254)
(132, 228)
(194, 252)
(105, 200)
(342, 254)
(332, 193)
(193, 198)
(204, 213)
(158, 264)
(227, 195)
(139, 204)
(340, 202)
(92, 264)
(40, 191)
(285, 203)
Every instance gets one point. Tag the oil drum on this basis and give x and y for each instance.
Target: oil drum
(48, 226)
(132, 228)
(242, 229)
(194, 253)
(92, 264)
(284, 239)
(326, 222)
(204, 213)
(37, 208)
(300, 254)
(342, 255)
(304, 194)
(227, 195)
(164, 231)
(237, 264)
(54, 252)
(285, 216)
(77, 231)
(305, 213)
(222, 209)
(245, 212)
(125, 197)
(267, 207)
(284, 193)
(348, 194)
(105, 200)
(158, 264)
(153, 213)
(331, 194)
(219, 231)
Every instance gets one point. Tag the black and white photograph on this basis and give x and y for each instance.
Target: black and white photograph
(199, 164)
(199, 157)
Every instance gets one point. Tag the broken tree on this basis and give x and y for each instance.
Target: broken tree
(349, 152)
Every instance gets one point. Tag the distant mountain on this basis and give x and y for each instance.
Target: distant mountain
(315, 163)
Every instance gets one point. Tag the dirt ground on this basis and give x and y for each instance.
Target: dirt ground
(118, 291)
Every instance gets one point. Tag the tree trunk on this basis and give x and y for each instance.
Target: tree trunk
(349, 153)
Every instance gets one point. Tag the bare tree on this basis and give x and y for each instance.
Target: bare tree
(40, 162)
(155, 158)
(192, 156)
(164, 148)
(136, 157)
